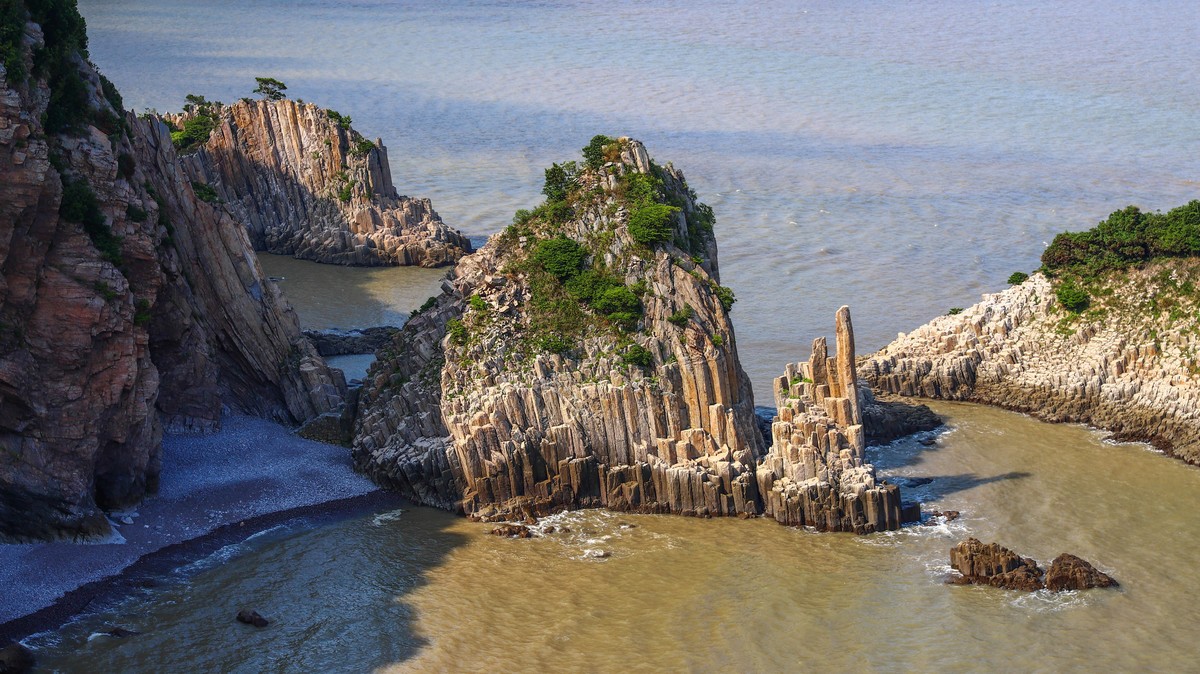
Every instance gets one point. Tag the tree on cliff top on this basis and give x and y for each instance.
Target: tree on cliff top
(271, 88)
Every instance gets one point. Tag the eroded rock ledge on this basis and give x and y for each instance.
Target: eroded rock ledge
(308, 186)
(489, 405)
(995, 565)
(1126, 365)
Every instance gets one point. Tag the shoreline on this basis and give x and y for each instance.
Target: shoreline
(146, 571)
(250, 475)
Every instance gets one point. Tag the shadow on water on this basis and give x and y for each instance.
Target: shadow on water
(334, 593)
(937, 487)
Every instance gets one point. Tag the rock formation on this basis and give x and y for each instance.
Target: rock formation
(814, 473)
(127, 305)
(1068, 572)
(532, 386)
(308, 185)
(1124, 365)
(997, 566)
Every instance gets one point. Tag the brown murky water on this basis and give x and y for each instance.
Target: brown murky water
(420, 590)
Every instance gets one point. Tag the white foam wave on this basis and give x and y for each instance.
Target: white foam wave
(384, 518)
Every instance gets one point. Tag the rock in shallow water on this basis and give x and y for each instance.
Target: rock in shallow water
(997, 566)
(1068, 572)
(16, 659)
(252, 618)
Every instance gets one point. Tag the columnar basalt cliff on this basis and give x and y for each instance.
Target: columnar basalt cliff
(586, 359)
(814, 473)
(126, 304)
(307, 185)
(569, 364)
(1128, 364)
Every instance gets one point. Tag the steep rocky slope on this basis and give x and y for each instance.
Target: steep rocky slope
(585, 357)
(306, 184)
(1128, 363)
(126, 303)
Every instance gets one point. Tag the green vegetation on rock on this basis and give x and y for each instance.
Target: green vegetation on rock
(79, 204)
(270, 88)
(1017, 278)
(196, 128)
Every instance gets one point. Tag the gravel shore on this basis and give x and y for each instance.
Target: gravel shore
(220, 486)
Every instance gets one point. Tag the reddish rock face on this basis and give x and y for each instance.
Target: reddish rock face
(154, 315)
(1068, 572)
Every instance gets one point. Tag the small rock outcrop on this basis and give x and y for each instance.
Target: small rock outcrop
(997, 566)
(347, 342)
(814, 473)
(16, 659)
(127, 305)
(306, 184)
(1123, 365)
(1068, 572)
(249, 617)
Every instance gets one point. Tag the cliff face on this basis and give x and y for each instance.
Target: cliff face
(126, 303)
(569, 364)
(1128, 364)
(815, 473)
(307, 185)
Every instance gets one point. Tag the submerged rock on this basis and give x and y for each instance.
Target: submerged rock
(249, 617)
(306, 184)
(1068, 572)
(512, 531)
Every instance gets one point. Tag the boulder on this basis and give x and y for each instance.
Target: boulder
(994, 565)
(249, 617)
(1068, 572)
(16, 659)
(512, 531)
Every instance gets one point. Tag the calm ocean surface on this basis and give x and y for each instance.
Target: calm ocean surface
(899, 157)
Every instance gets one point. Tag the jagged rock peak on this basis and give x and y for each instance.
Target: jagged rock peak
(307, 184)
(815, 473)
(126, 304)
(583, 357)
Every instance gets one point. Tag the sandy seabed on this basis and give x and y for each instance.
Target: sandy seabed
(224, 485)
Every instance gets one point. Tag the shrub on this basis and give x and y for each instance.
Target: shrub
(135, 213)
(725, 296)
(1017, 278)
(593, 154)
(682, 316)
(718, 340)
(111, 94)
(141, 312)
(342, 120)
(618, 300)
(1072, 297)
(554, 343)
(590, 285)
(362, 148)
(954, 311)
(638, 355)
(457, 331)
(346, 192)
(652, 224)
(1126, 237)
(560, 256)
(194, 133)
(205, 192)
(79, 204)
(477, 303)
(426, 306)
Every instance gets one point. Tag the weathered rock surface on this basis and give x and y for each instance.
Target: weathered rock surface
(1068, 572)
(102, 350)
(307, 187)
(1123, 366)
(347, 342)
(997, 566)
(482, 420)
(815, 473)
(498, 424)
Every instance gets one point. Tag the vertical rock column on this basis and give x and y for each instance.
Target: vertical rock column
(814, 474)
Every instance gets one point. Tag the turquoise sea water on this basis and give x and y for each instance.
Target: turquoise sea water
(899, 157)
